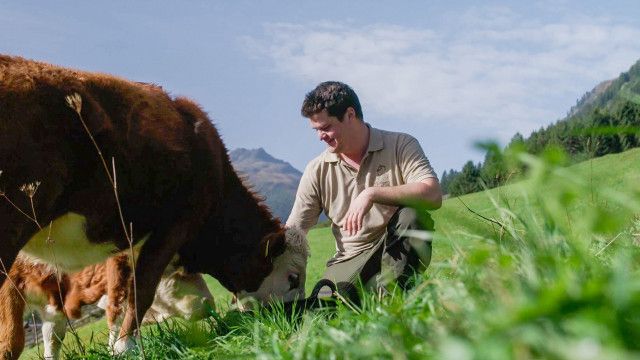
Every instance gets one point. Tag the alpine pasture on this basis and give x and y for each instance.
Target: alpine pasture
(546, 267)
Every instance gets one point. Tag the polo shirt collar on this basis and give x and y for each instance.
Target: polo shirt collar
(375, 139)
(330, 157)
(375, 144)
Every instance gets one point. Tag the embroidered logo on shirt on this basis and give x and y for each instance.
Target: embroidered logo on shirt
(382, 176)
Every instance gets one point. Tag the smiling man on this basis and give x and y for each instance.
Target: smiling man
(361, 182)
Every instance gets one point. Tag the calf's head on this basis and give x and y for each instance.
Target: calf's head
(286, 280)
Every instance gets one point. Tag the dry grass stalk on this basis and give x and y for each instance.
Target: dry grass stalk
(347, 303)
(74, 101)
(30, 191)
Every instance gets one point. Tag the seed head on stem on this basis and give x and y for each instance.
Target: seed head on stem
(30, 188)
(74, 101)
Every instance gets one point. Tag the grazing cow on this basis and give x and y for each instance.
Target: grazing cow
(35, 286)
(86, 157)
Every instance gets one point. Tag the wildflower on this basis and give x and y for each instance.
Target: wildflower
(74, 101)
(30, 188)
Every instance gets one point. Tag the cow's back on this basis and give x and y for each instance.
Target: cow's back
(42, 139)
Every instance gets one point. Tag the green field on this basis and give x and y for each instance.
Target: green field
(543, 268)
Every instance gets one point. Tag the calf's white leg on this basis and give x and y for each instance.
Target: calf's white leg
(54, 327)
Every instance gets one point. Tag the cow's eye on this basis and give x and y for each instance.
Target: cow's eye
(294, 281)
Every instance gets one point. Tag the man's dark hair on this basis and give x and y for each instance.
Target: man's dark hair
(334, 96)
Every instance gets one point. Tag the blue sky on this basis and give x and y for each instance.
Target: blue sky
(450, 73)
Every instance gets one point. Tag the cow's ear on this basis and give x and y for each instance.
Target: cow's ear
(274, 244)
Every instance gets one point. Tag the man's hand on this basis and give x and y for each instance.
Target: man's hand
(427, 190)
(357, 210)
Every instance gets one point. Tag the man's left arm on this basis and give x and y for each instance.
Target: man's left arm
(421, 184)
(427, 190)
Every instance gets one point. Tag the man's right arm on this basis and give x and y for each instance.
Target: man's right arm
(307, 206)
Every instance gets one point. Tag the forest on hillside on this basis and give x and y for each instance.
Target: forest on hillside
(599, 124)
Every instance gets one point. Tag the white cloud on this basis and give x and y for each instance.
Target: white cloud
(490, 69)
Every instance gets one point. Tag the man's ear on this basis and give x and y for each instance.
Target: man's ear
(350, 114)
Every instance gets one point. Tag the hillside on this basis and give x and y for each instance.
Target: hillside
(609, 94)
(614, 172)
(589, 99)
(606, 120)
(274, 179)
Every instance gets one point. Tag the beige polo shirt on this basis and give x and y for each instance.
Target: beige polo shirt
(329, 184)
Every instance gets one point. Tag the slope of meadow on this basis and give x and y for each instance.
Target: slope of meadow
(616, 172)
(543, 268)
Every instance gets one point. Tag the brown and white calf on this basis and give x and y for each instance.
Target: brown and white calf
(35, 286)
(175, 184)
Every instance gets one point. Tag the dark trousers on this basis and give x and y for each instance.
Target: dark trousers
(398, 254)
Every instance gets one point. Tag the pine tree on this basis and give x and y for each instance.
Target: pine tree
(468, 181)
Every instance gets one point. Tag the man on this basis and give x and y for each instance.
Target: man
(361, 182)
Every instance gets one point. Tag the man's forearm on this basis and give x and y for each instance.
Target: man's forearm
(428, 191)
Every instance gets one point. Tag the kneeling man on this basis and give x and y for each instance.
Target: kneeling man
(361, 182)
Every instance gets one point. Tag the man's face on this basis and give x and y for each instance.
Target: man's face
(330, 130)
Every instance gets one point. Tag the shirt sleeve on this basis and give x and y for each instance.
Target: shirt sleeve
(307, 206)
(414, 164)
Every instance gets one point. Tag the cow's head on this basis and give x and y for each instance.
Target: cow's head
(287, 278)
(180, 294)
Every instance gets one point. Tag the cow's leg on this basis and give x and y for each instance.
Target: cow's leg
(54, 328)
(9, 248)
(7, 257)
(73, 303)
(11, 327)
(118, 273)
(114, 321)
(54, 321)
(154, 257)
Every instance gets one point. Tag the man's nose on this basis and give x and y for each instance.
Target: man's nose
(322, 135)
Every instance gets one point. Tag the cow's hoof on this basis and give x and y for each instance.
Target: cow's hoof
(123, 345)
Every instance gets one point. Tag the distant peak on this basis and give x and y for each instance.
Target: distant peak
(259, 154)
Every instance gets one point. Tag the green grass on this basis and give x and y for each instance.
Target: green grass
(619, 172)
(553, 275)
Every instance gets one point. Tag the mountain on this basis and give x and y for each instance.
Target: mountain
(587, 101)
(609, 94)
(273, 178)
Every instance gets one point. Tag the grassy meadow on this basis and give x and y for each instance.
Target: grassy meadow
(546, 267)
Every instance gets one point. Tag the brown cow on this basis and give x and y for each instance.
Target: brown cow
(173, 177)
(34, 286)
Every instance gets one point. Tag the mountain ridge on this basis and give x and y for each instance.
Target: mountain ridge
(607, 94)
(275, 179)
